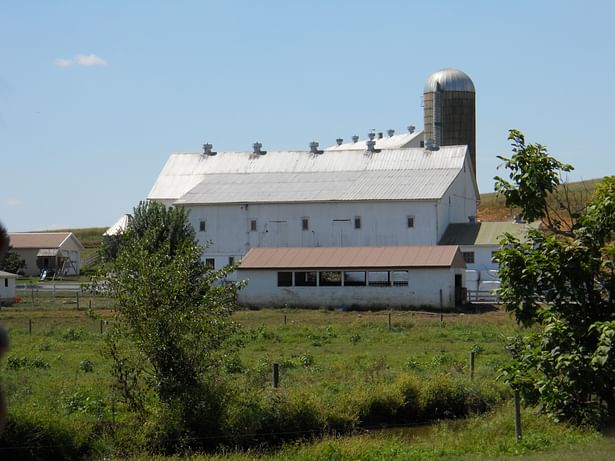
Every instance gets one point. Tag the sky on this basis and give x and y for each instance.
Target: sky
(96, 95)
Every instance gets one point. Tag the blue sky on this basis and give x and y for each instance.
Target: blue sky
(94, 96)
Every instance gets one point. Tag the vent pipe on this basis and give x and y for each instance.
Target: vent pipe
(314, 148)
(207, 149)
(339, 141)
(257, 148)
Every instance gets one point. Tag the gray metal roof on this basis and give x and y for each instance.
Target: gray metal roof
(448, 80)
(397, 141)
(281, 176)
(483, 233)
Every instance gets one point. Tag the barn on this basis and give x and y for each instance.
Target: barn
(390, 191)
(55, 252)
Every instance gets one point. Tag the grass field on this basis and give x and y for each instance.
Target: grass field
(337, 368)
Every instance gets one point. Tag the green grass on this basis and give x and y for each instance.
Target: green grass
(339, 370)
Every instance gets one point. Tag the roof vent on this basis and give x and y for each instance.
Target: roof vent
(411, 129)
(380, 135)
(207, 149)
(390, 132)
(430, 144)
(355, 138)
(371, 135)
(314, 148)
(257, 148)
(371, 146)
(339, 141)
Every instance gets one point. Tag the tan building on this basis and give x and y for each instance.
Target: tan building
(54, 252)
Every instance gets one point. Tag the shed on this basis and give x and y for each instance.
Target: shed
(358, 277)
(59, 252)
(7, 288)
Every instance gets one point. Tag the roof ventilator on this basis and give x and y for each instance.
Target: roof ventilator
(207, 149)
(371, 135)
(314, 148)
(371, 146)
(380, 135)
(339, 141)
(411, 129)
(390, 132)
(430, 144)
(257, 148)
(355, 138)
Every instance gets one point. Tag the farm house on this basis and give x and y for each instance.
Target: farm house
(57, 252)
(353, 277)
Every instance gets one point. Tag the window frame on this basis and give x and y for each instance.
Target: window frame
(253, 225)
(211, 263)
(305, 223)
(358, 222)
(285, 282)
(468, 257)
(410, 221)
(202, 225)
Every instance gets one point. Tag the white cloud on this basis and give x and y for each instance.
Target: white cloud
(11, 201)
(81, 60)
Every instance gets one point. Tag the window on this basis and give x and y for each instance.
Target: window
(202, 226)
(305, 279)
(357, 222)
(330, 279)
(378, 279)
(410, 221)
(468, 257)
(305, 224)
(399, 278)
(210, 263)
(231, 260)
(285, 279)
(354, 279)
(6, 283)
(253, 225)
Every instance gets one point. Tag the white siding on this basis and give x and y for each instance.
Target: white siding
(432, 288)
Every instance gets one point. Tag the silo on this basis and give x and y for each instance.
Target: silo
(450, 110)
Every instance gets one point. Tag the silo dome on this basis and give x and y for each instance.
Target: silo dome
(448, 80)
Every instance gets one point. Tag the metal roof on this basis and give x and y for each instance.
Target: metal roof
(119, 226)
(8, 275)
(397, 141)
(353, 257)
(448, 80)
(193, 175)
(41, 239)
(482, 233)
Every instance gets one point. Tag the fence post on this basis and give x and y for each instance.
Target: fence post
(275, 376)
(101, 326)
(472, 355)
(284, 319)
(77, 300)
(32, 292)
(517, 416)
(30, 327)
(54, 289)
(389, 321)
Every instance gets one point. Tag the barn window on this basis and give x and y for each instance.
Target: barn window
(410, 221)
(285, 279)
(253, 225)
(378, 279)
(305, 279)
(305, 224)
(330, 279)
(354, 279)
(231, 260)
(210, 263)
(357, 222)
(399, 278)
(202, 226)
(468, 257)
(6, 283)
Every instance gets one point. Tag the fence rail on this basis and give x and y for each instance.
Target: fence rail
(483, 296)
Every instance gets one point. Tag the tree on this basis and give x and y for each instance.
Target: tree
(172, 326)
(562, 285)
(12, 262)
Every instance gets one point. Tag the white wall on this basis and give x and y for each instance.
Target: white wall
(482, 256)
(7, 293)
(423, 290)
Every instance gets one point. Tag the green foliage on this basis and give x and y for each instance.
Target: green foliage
(533, 176)
(564, 286)
(11, 262)
(171, 334)
(19, 363)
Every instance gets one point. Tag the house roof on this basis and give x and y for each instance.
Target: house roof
(283, 176)
(482, 233)
(8, 275)
(23, 240)
(353, 257)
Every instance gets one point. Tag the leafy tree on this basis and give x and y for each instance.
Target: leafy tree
(12, 262)
(172, 329)
(562, 285)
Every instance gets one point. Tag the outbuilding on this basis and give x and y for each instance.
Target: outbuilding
(353, 277)
(58, 252)
(7, 288)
